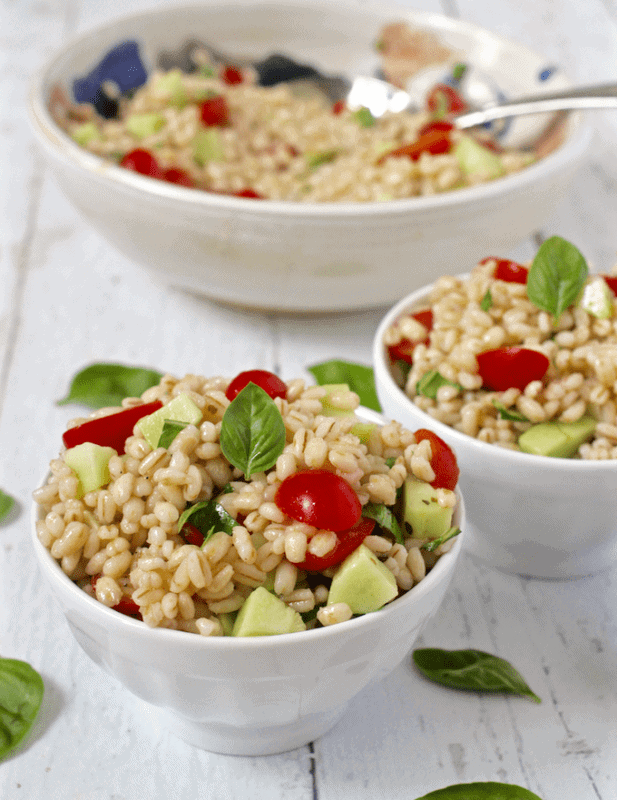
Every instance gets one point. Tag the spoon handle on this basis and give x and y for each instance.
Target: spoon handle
(603, 96)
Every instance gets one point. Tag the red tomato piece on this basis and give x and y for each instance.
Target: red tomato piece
(179, 177)
(443, 99)
(142, 161)
(425, 318)
(320, 498)
(232, 76)
(508, 271)
(402, 351)
(511, 367)
(436, 125)
(126, 605)
(192, 535)
(268, 381)
(339, 107)
(443, 460)
(347, 542)
(611, 282)
(110, 431)
(250, 193)
(434, 142)
(214, 111)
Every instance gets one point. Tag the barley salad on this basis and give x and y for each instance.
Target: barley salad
(520, 356)
(246, 507)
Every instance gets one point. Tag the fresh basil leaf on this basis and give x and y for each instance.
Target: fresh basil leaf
(435, 543)
(252, 432)
(472, 670)
(6, 504)
(171, 428)
(21, 693)
(364, 117)
(430, 383)
(556, 276)
(508, 413)
(487, 301)
(481, 791)
(208, 517)
(314, 160)
(404, 368)
(384, 517)
(103, 384)
(359, 378)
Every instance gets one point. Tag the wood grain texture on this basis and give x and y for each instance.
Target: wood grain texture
(67, 299)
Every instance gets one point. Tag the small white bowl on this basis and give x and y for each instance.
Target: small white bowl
(301, 257)
(251, 695)
(532, 515)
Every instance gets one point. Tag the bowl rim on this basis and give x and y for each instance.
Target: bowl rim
(479, 449)
(56, 140)
(442, 571)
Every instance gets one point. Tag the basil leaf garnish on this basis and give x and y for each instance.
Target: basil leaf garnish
(252, 432)
(364, 117)
(487, 301)
(359, 378)
(431, 382)
(384, 517)
(105, 384)
(314, 160)
(507, 413)
(481, 791)
(171, 428)
(435, 543)
(472, 670)
(208, 517)
(556, 276)
(6, 504)
(21, 693)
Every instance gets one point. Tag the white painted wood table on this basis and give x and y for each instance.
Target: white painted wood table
(67, 299)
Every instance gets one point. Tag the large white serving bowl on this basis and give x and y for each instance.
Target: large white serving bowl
(250, 695)
(293, 256)
(532, 515)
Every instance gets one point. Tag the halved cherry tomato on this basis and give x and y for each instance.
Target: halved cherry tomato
(320, 498)
(192, 535)
(126, 605)
(347, 542)
(611, 282)
(509, 271)
(443, 99)
(268, 381)
(232, 76)
(443, 460)
(511, 367)
(214, 111)
(403, 350)
(251, 193)
(434, 142)
(110, 431)
(179, 177)
(142, 161)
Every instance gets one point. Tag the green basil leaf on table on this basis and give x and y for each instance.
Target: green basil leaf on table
(359, 378)
(106, 384)
(481, 791)
(171, 428)
(6, 504)
(556, 276)
(508, 413)
(435, 543)
(21, 693)
(208, 517)
(252, 431)
(472, 670)
(384, 517)
(430, 383)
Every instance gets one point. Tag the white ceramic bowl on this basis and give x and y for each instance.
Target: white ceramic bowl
(293, 256)
(250, 696)
(531, 515)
